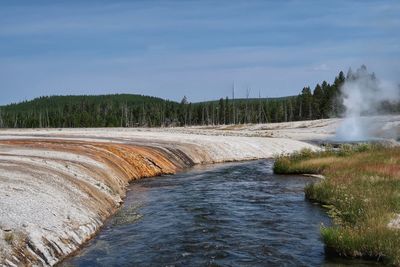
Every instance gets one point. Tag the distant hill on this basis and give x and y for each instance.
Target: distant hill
(86, 111)
(51, 102)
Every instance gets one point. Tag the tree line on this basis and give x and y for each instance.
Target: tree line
(127, 110)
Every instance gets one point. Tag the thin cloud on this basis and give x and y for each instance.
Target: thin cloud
(321, 67)
(189, 48)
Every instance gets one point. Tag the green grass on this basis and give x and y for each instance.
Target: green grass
(362, 191)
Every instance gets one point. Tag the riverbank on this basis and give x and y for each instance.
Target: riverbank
(224, 214)
(361, 189)
(58, 186)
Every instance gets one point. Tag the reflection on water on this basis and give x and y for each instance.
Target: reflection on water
(238, 214)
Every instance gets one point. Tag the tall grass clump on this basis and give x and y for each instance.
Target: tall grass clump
(361, 190)
(313, 162)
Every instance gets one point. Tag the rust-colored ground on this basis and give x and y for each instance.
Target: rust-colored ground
(121, 163)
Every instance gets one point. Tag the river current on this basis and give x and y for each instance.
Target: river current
(235, 214)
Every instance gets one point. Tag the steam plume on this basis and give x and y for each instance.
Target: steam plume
(363, 97)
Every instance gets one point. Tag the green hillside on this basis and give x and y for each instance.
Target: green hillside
(117, 110)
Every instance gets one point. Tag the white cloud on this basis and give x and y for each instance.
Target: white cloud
(321, 67)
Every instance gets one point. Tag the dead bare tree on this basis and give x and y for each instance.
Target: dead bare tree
(233, 103)
(208, 117)
(143, 115)
(300, 109)
(1, 120)
(16, 121)
(290, 110)
(285, 111)
(213, 114)
(264, 112)
(47, 119)
(40, 120)
(246, 115)
(126, 115)
(259, 106)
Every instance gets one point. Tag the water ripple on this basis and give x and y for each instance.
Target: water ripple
(238, 214)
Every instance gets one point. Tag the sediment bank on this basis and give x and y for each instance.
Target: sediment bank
(58, 187)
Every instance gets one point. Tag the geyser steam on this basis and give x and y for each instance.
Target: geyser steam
(363, 96)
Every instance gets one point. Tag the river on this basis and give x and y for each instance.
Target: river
(235, 214)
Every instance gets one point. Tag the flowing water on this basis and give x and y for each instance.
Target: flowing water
(237, 214)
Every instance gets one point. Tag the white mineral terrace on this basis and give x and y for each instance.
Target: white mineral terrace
(57, 186)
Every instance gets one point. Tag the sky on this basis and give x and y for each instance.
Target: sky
(194, 48)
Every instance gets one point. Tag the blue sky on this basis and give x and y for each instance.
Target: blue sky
(193, 48)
